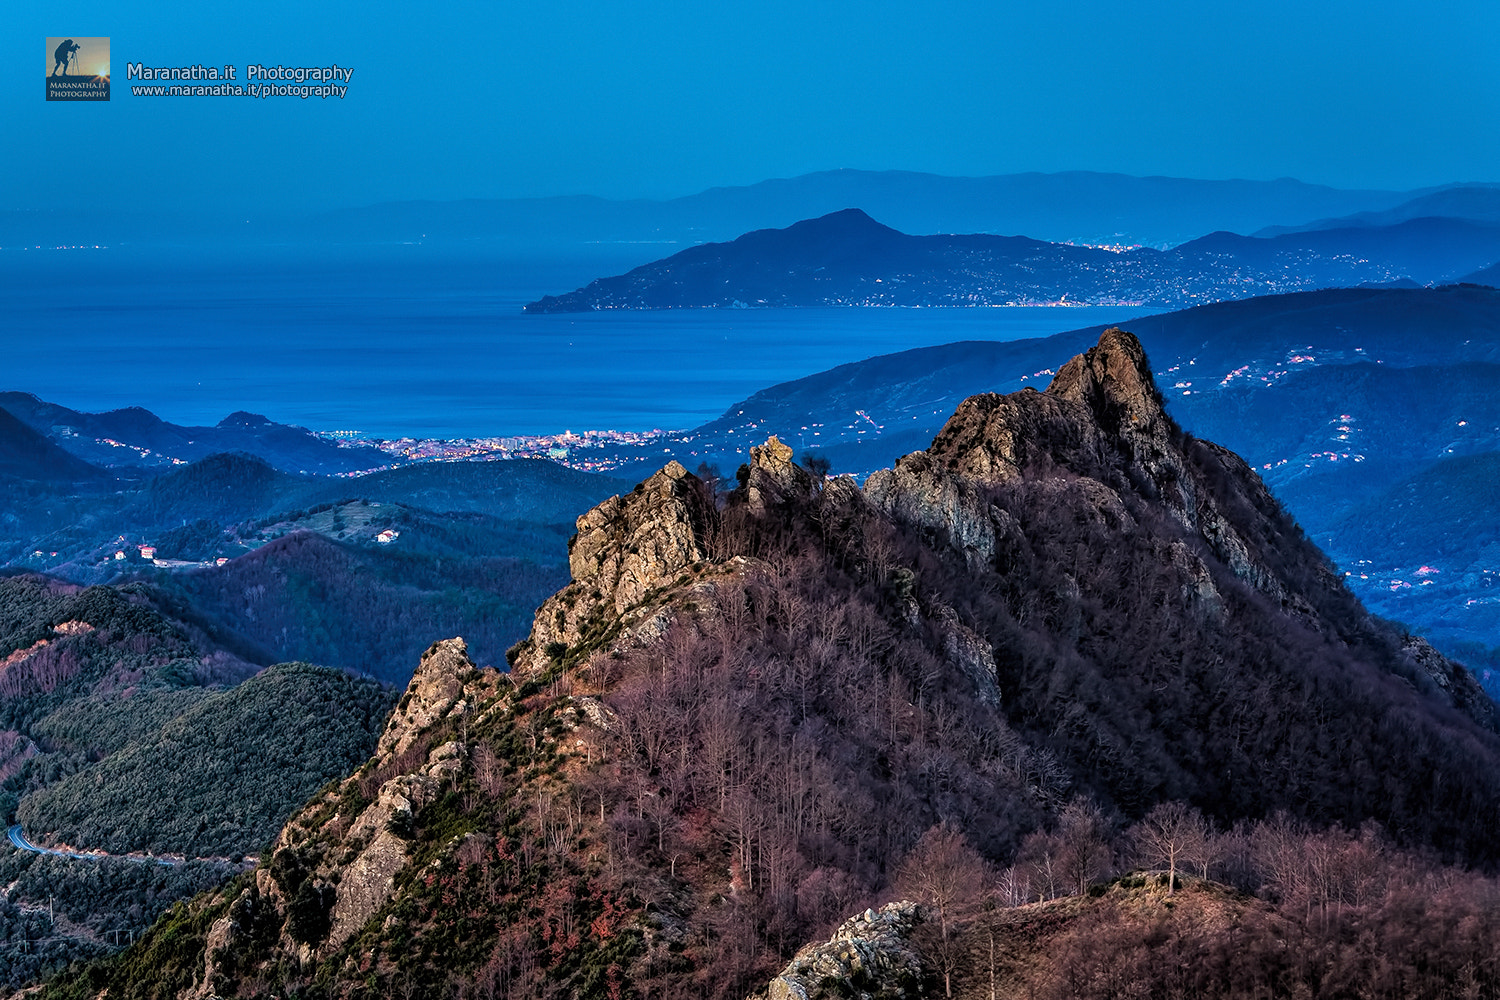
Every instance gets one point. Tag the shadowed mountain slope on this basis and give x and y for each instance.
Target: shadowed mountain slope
(28, 456)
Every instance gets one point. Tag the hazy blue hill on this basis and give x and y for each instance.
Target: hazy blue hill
(522, 489)
(228, 487)
(1475, 202)
(238, 487)
(1428, 551)
(1426, 250)
(1333, 433)
(1071, 205)
(1486, 276)
(1076, 205)
(145, 440)
(222, 505)
(847, 259)
(1416, 517)
(27, 455)
(473, 548)
(1079, 205)
(368, 607)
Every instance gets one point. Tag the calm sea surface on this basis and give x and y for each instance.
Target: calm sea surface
(396, 344)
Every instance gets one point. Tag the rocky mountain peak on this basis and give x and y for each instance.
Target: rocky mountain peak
(1102, 409)
(1113, 381)
(625, 548)
(629, 544)
(772, 476)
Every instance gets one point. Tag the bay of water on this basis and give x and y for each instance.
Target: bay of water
(397, 343)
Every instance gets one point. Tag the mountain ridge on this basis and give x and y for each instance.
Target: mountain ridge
(153, 442)
(743, 713)
(1071, 205)
(847, 259)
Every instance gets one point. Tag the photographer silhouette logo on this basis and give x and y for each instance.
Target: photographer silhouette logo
(78, 68)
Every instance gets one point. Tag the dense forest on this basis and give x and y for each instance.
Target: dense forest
(307, 596)
(220, 779)
(127, 726)
(58, 910)
(1067, 644)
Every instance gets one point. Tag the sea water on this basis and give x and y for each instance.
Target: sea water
(398, 342)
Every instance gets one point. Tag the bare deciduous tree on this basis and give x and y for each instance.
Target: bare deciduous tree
(1169, 835)
(945, 874)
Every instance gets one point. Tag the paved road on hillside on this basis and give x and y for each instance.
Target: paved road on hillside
(18, 838)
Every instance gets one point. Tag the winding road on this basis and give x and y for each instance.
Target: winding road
(18, 838)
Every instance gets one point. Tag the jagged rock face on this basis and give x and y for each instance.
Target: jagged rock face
(868, 956)
(772, 477)
(625, 548)
(1099, 429)
(1113, 381)
(969, 652)
(368, 881)
(919, 491)
(628, 545)
(1453, 680)
(436, 690)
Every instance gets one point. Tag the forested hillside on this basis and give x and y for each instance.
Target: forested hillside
(221, 778)
(127, 727)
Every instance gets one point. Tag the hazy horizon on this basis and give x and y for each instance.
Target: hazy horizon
(668, 100)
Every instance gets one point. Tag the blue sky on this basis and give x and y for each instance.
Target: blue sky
(661, 99)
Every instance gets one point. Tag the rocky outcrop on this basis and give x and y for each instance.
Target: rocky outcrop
(625, 548)
(367, 882)
(771, 476)
(629, 544)
(919, 491)
(436, 690)
(1457, 683)
(1100, 439)
(870, 957)
(221, 936)
(970, 653)
(361, 854)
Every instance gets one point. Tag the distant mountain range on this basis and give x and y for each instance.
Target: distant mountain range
(1078, 206)
(848, 259)
(1474, 202)
(134, 437)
